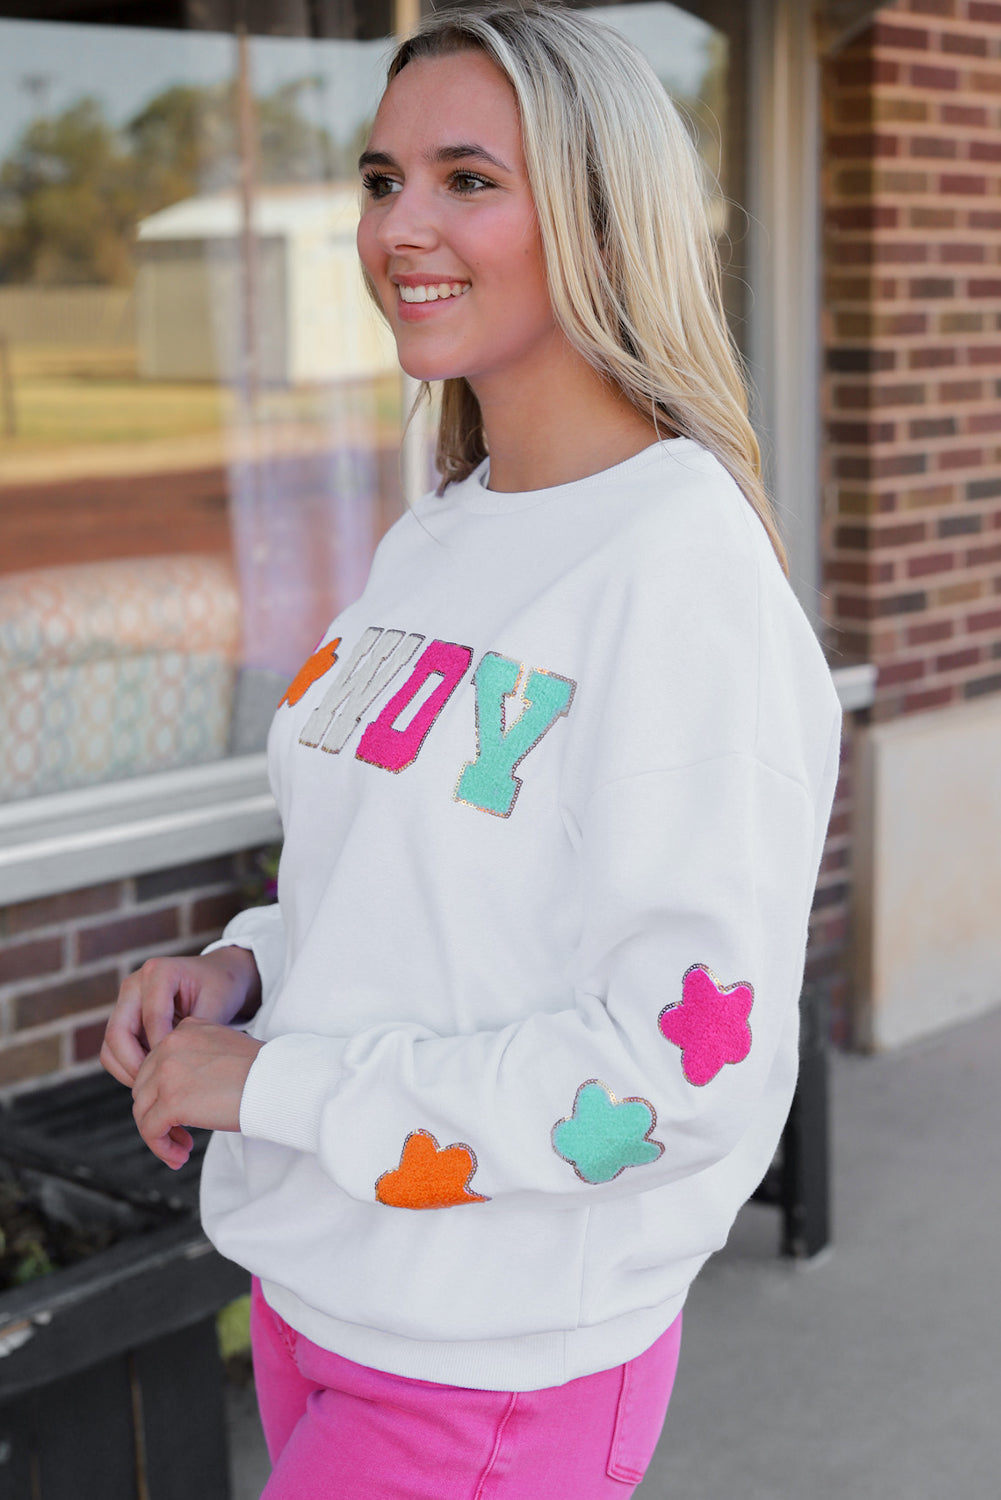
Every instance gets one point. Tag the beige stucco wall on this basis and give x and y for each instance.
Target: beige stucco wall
(927, 851)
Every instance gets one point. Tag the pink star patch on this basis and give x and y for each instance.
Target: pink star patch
(709, 1024)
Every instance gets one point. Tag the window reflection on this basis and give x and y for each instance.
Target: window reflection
(200, 415)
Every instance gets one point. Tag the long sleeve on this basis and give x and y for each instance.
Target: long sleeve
(261, 930)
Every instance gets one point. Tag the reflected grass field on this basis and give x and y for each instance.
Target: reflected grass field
(86, 397)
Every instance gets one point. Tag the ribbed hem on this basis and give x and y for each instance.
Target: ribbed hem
(288, 1084)
(533, 1362)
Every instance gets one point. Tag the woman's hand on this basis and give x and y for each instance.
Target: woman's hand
(194, 1076)
(217, 987)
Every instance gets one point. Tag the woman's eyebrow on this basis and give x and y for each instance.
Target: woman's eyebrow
(465, 151)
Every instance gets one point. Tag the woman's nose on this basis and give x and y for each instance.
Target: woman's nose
(406, 223)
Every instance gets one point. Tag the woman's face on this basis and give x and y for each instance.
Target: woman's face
(448, 233)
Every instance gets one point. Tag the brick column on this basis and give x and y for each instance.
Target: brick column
(913, 351)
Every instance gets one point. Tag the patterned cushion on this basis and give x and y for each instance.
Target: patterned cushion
(113, 669)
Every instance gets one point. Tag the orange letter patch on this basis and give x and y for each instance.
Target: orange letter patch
(311, 671)
(429, 1176)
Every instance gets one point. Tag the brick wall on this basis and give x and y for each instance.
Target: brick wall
(913, 345)
(63, 957)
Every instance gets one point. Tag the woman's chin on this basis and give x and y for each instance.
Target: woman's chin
(426, 369)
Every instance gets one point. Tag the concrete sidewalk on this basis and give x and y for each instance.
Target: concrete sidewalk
(873, 1373)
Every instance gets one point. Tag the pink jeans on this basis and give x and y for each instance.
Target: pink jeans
(339, 1431)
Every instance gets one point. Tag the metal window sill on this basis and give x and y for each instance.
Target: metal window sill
(84, 837)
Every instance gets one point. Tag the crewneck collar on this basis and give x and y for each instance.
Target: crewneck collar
(472, 493)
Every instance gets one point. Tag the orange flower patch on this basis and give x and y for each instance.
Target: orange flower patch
(429, 1176)
(321, 661)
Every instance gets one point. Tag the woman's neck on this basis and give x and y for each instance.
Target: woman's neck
(563, 423)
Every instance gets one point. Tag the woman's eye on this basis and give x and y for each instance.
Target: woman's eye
(468, 182)
(379, 186)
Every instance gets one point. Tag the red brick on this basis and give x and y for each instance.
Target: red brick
(959, 526)
(985, 354)
(886, 35)
(932, 358)
(924, 77)
(953, 661)
(965, 114)
(982, 557)
(929, 631)
(855, 607)
(961, 322)
(954, 254)
(87, 1041)
(920, 217)
(961, 390)
(898, 465)
(896, 252)
(141, 931)
(936, 146)
(931, 427)
(848, 570)
(934, 562)
(26, 960)
(865, 70)
(211, 913)
(901, 671)
(984, 286)
(984, 421)
(984, 489)
(961, 458)
(983, 685)
(932, 286)
(865, 144)
(863, 216)
(37, 1007)
(183, 878)
(930, 698)
(53, 911)
(853, 397)
(985, 151)
(29, 1060)
(967, 183)
(985, 10)
(988, 619)
(861, 433)
(964, 43)
(901, 325)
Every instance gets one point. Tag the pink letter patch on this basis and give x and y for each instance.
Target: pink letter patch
(709, 1024)
(394, 749)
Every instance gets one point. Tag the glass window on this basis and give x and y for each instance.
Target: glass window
(200, 413)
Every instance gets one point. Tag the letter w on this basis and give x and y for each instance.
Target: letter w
(368, 671)
(488, 782)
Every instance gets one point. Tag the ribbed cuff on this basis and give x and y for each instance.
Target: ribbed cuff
(291, 1079)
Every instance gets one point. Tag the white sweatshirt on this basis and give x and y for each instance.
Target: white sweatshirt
(554, 794)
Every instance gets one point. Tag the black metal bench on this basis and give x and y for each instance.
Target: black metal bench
(110, 1374)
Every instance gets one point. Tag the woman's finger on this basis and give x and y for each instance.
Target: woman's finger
(160, 981)
(123, 1052)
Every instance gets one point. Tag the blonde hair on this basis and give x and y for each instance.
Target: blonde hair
(630, 254)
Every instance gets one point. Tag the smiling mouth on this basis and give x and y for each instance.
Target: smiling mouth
(435, 292)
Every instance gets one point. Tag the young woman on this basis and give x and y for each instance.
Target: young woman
(554, 791)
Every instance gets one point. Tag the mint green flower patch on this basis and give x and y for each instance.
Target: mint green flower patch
(604, 1135)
